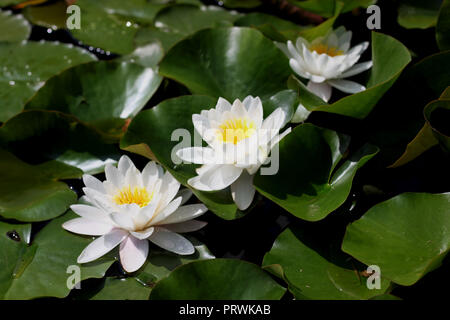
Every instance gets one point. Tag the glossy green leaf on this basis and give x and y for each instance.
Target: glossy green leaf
(406, 236)
(228, 63)
(150, 135)
(309, 182)
(418, 14)
(36, 136)
(443, 26)
(42, 270)
(121, 289)
(326, 8)
(148, 55)
(315, 273)
(33, 193)
(389, 57)
(24, 73)
(12, 249)
(98, 92)
(437, 115)
(271, 26)
(50, 15)
(5, 3)
(15, 27)
(186, 20)
(212, 280)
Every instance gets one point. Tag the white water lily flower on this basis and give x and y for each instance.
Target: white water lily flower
(326, 61)
(239, 143)
(129, 208)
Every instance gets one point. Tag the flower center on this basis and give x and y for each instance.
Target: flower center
(235, 130)
(323, 48)
(139, 196)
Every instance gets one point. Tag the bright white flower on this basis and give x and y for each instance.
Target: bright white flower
(327, 61)
(239, 143)
(131, 207)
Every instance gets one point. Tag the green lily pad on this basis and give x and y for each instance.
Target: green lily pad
(212, 280)
(33, 193)
(314, 273)
(186, 19)
(389, 57)
(5, 3)
(26, 66)
(41, 270)
(17, 27)
(98, 92)
(437, 115)
(229, 63)
(14, 239)
(121, 289)
(36, 136)
(148, 55)
(309, 183)
(406, 236)
(271, 26)
(418, 14)
(326, 8)
(241, 3)
(443, 26)
(150, 132)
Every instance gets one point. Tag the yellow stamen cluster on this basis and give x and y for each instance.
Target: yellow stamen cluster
(235, 130)
(139, 196)
(323, 48)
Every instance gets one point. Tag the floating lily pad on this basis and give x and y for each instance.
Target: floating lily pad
(212, 280)
(406, 236)
(315, 273)
(26, 67)
(229, 63)
(418, 14)
(309, 182)
(33, 193)
(50, 15)
(42, 269)
(389, 57)
(17, 27)
(98, 92)
(37, 136)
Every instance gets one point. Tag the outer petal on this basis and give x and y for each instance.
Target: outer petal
(198, 155)
(133, 253)
(218, 177)
(90, 212)
(123, 220)
(322, 90)
(87, 227)
(114, 176)
(185, 213)
(144, 234)
(124, 164)
(172, 241)
(166, 211)
(185, 195)
(356, 69)
(102, 246)
(169, 189)
(347, 86)
(243, 191)
(93, 183)
(187, 226)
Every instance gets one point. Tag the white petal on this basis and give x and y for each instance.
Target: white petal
(296, 66)
(243, 191)
(144, 234)
(87, 227)
(185, 213)
(124, 220)
(300, 43)
(347, 86)
(124, 164)
(169, 189)
(356, 69)
(322, 90)
(301, 114)
(296, 54)
(93, 183)
(166, 211)
(218, 177)
(114, 176)
(150, 174)
(133, 253)
(90, 212)
(102, 246)
(197, 155)
(172, 241)
(223, 105)
(254, 110)
(185, 195)
(187, 226)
